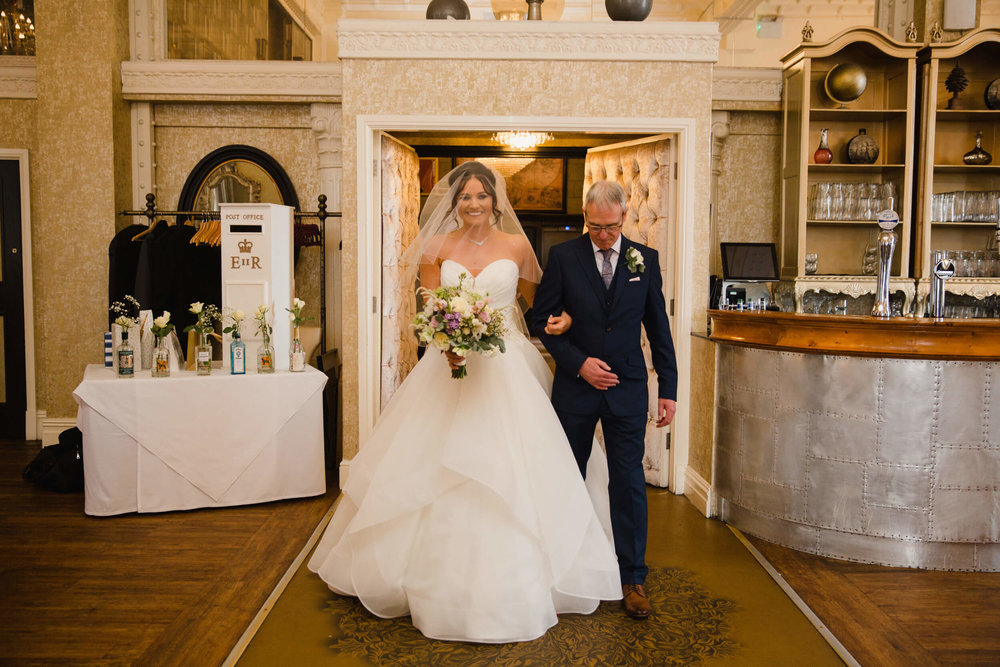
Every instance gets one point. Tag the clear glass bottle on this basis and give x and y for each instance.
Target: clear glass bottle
(203, 355)
(297, 354)
(161, 358)
(126, 357)
(265, 355)
(237, 355)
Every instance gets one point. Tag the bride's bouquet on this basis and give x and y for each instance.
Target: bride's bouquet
(459, 320)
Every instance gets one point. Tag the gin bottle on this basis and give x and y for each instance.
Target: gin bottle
(126, 357)
(237, 356)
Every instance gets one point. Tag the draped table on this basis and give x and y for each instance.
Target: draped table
(188, 441)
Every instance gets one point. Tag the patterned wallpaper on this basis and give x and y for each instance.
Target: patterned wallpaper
(481, 88)
(749, 207)
(78, 182)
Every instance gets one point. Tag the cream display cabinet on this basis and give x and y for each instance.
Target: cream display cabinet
(829, 208)
(957, 203)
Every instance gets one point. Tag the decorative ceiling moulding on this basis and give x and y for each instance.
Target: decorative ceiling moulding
(746, 84)
(232, 80)
(528, 40)
(18, 79)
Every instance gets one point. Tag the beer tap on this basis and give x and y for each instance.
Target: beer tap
(887, 221)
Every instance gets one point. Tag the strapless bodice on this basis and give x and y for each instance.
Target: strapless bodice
(498, 280)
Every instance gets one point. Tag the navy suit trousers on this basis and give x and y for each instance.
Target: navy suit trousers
(624, 440)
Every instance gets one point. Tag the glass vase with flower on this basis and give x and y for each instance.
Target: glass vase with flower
(127, 312)
(206, 314)
(297, 354)
(161, 328)
(265, 353)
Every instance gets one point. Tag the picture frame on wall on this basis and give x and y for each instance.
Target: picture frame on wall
(535, 184)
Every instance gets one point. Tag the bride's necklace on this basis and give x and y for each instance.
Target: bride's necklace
(480, 242)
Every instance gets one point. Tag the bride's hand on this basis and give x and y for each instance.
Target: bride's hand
(454, 360)
(557, 325)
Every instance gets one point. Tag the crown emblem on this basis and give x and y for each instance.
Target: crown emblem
(245, 245)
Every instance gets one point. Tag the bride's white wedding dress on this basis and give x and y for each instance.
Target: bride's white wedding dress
(465, 509)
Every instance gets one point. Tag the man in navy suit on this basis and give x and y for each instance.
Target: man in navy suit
(610, 286)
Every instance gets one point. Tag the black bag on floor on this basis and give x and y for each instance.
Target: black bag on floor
(59, 467)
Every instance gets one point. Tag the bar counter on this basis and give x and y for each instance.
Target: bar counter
(860, 438)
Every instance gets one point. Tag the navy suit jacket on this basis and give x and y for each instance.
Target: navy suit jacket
(606, 325)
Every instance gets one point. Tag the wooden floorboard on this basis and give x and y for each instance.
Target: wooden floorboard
(897, 616)
(158, 589)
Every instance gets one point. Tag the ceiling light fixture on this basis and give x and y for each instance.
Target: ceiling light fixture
(521, 140)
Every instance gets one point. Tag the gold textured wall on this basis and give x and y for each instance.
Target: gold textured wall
(749, 183)
(80, 175)
(185, 133)
(748, 209)
(499, 88)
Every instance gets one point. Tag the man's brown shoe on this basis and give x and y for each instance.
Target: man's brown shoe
(635, 601)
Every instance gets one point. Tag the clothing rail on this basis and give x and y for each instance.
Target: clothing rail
(151, 213)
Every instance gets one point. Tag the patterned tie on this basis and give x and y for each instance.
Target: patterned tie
(607, 272)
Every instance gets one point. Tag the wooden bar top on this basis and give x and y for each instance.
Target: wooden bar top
(855, 335)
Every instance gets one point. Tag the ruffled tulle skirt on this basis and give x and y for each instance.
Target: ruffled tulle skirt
(465, 508)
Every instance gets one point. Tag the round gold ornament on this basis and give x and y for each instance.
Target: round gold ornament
(845, 83)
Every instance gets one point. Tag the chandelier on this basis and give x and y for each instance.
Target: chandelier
(521, 140)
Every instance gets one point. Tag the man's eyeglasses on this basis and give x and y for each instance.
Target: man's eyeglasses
(597, 229)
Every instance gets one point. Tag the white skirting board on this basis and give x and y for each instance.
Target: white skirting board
(48, 429)
(699, 492)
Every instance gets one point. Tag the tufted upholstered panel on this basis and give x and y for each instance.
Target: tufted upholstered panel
(400, 216)
(646, 171)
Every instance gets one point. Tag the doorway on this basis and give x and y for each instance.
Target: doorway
(371, 128)
(16, 358)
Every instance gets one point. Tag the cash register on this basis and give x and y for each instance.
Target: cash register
(747, 268)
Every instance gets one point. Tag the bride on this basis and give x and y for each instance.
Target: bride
(466, 509)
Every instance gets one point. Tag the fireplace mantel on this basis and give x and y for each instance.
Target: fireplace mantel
(528, 40)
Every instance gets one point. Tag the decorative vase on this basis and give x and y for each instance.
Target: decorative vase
(628, 10)
(862, 149)
(203, 355)
(161, 359)
(823, 155)
(126, 357)
(265, 355)
(296, 355)
(448, 9)
(992, 95)
(977, 156)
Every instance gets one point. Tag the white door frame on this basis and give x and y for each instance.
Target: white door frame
(369, 236)
(20, 155)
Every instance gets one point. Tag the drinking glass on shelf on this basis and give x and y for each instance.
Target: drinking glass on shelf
(869, 263)
(850, 201)
(836, 201)
(840, 307)
(978, 268)
(820, 201)
(887, 192)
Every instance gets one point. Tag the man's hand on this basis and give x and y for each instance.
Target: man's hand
(456, 361)
(557, 325)
(665, 410)
(598, 374)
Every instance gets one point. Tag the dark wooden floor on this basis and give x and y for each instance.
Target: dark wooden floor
(897, 616)
(155, 589)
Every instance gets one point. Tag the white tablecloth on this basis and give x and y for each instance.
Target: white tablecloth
(187, 441)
